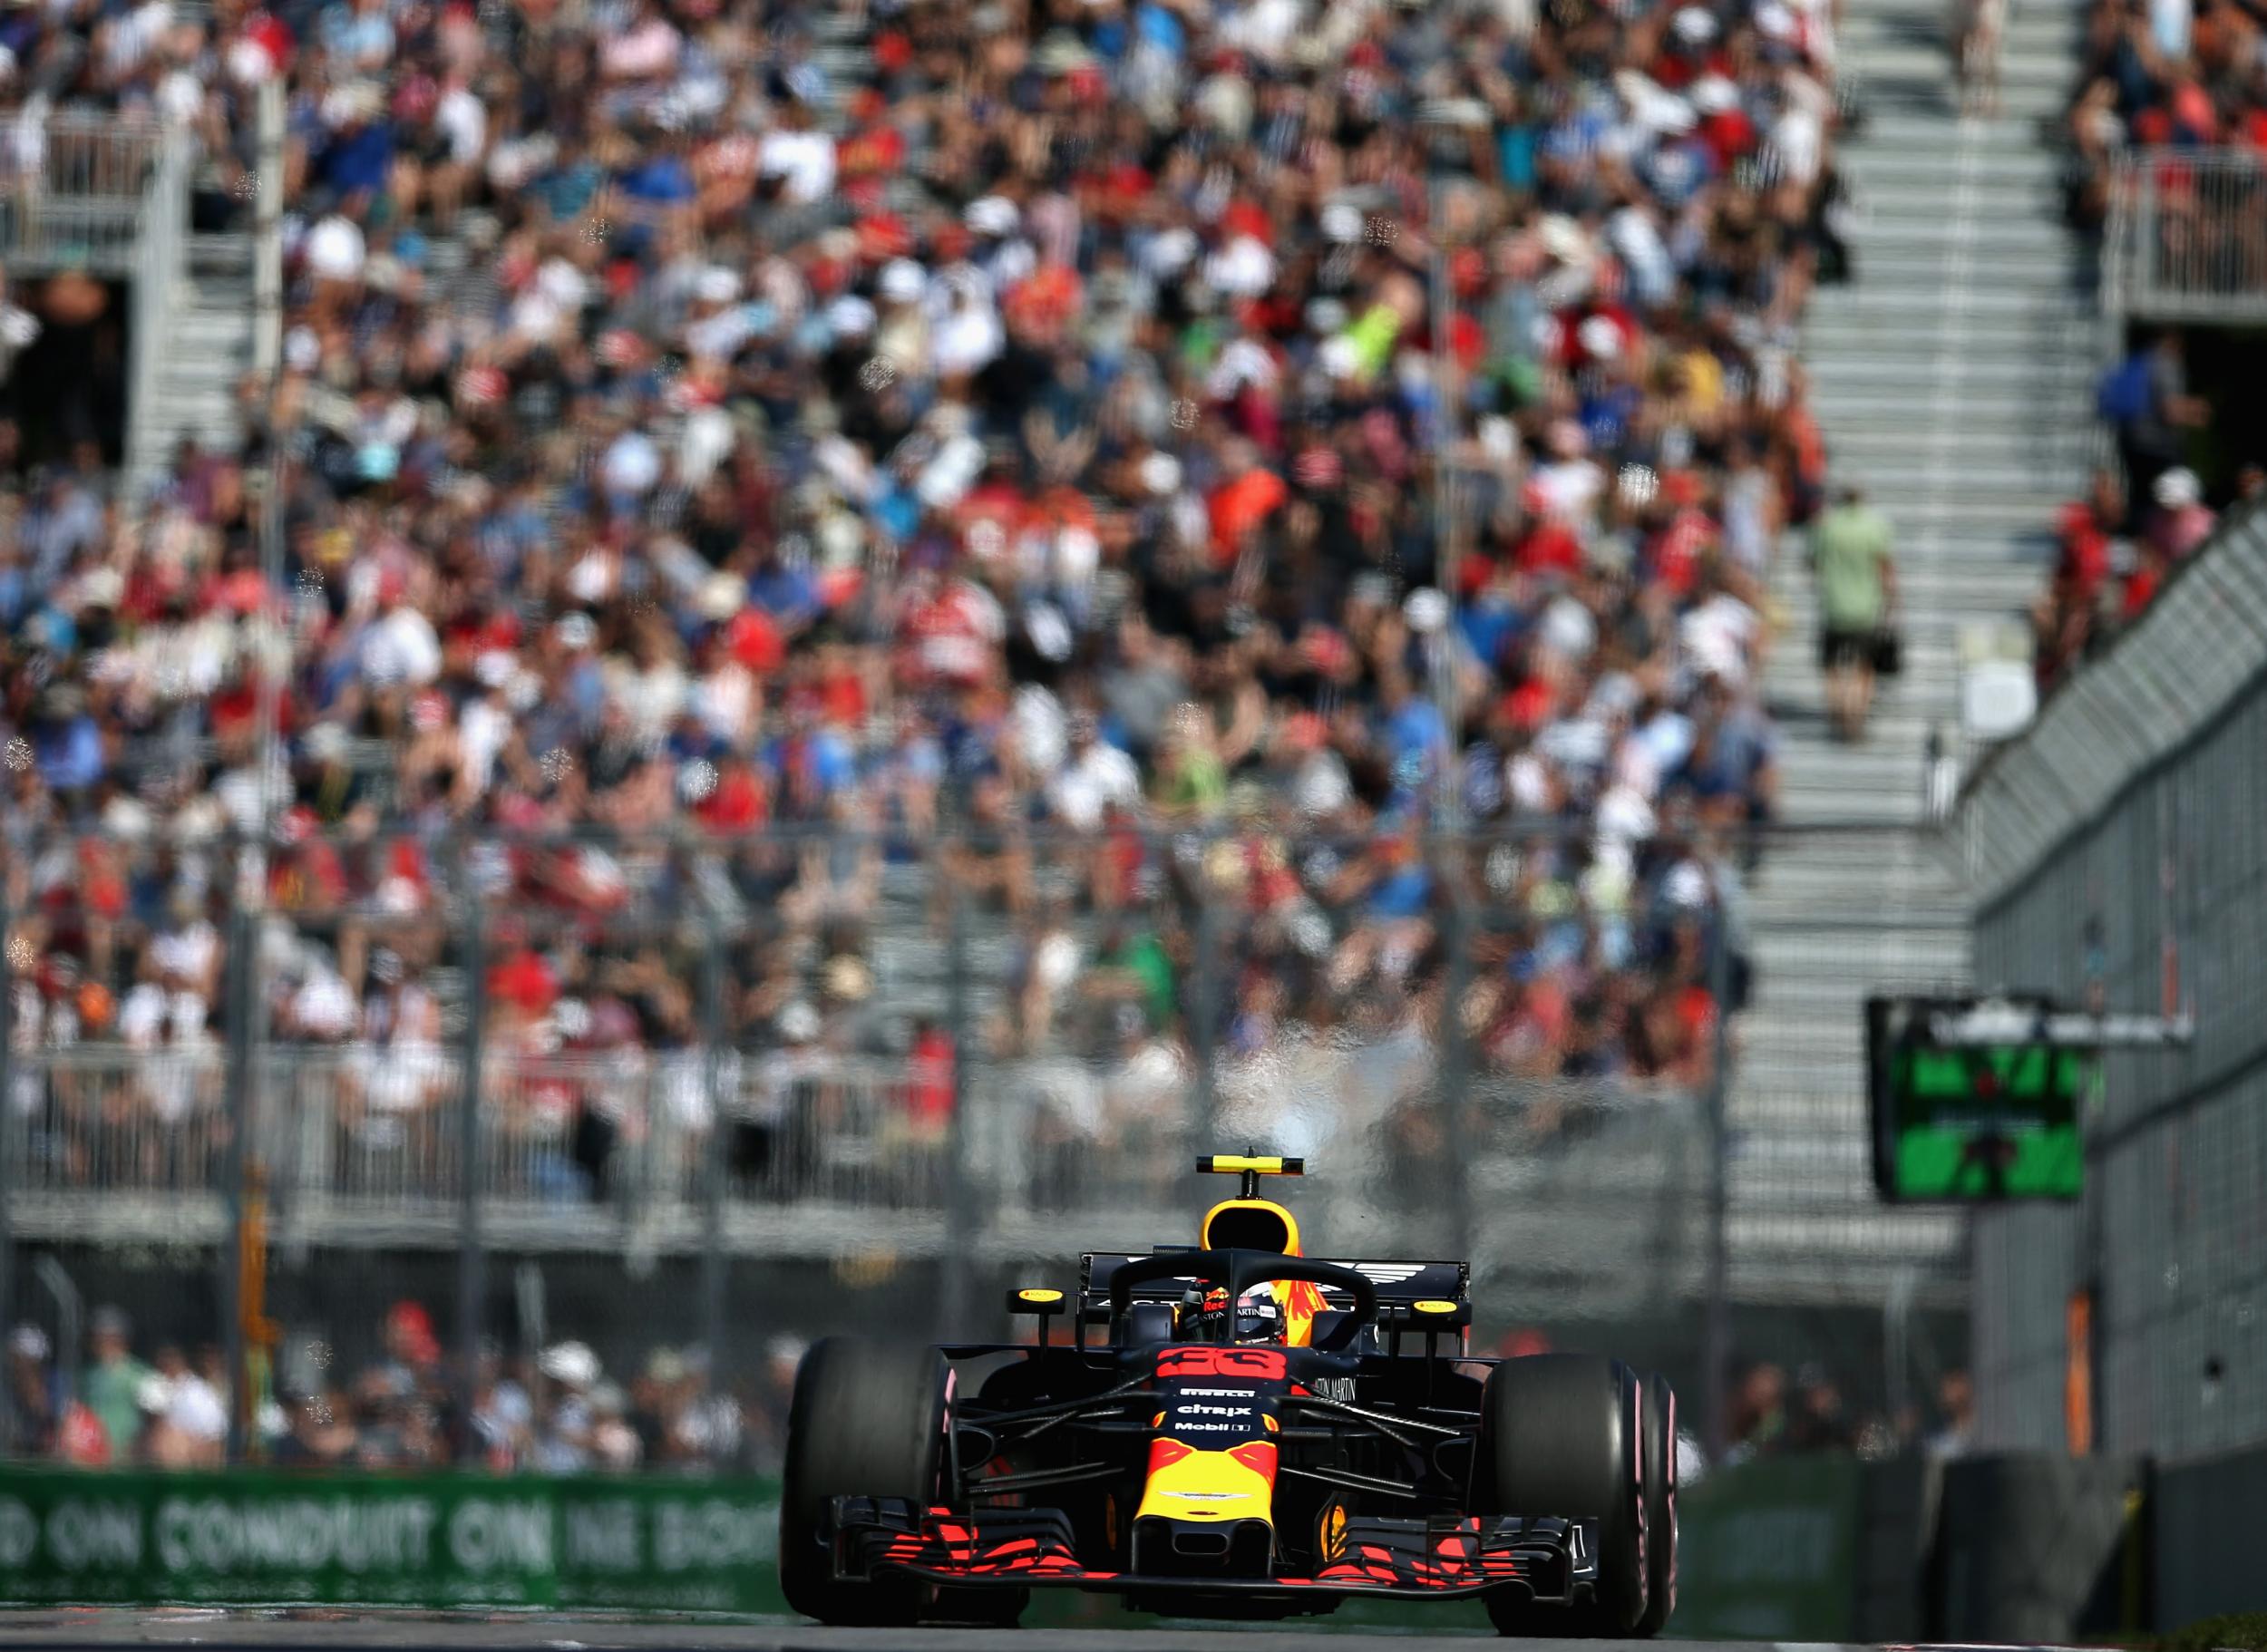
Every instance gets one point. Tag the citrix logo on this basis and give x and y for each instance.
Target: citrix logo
(1215, 1411)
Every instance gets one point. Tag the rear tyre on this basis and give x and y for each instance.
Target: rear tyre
(1559, 1439)
(868, 1421)
(1659, 1462)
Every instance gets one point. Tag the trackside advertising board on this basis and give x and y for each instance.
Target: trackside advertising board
(1769, 1551)
(431, 1540)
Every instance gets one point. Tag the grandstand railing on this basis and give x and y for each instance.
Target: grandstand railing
(824, 1154)
(75, 188)
(2186, 237)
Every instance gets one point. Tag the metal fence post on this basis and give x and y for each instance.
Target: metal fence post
(1456, 1069)
(1203, 1006)
(712, 1170)
(472, 1279)
(1716, 1335)
(2148, 275)
(242, 984)
(954, 1299)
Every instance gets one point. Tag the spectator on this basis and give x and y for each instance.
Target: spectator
(1816, 1422)
(1956, 1404)
(2147, 403)
(34, 1397)
(2180, 521)
(1759, 1425)
(185, 1419)
(1857, 603)
(113, 1381)
(564, 1418)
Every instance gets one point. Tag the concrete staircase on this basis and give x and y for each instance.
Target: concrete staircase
(1953, 380)
(207, 348)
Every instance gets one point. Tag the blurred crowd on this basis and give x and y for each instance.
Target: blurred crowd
(2140, 519)
(556, 1410)
(2181, 74)
(1774, 1416)
(1003, 438)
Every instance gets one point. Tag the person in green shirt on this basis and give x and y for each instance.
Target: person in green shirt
(1192, 781)
(113, 1380)
(1856, 571)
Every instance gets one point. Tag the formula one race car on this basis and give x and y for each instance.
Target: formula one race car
(1256, 1434)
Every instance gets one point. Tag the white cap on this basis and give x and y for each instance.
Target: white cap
(570, 1363)
(1160, 474)
(1695, 25)
(2178, 489)
(1776, 21)
(1713, 94)
(993, 214)
(1427, 611)
(903, 281)
(850, 316)
(1170, 252)
(723, 595)
(1600, 337)
(1341, 223)
(716, 285)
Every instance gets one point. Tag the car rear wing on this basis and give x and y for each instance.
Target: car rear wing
(1400, 1285)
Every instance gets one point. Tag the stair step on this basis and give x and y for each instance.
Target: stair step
(1884, 53)
(1980, 405)
(1974, 305)
(1881, 262)
(1912, 133)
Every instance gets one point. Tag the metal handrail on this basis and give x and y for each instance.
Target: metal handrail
(2186, 237)
(161, 252)
(357, 1144)
(75, 186)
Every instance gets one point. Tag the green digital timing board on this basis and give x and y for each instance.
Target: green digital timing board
(1974, 1119)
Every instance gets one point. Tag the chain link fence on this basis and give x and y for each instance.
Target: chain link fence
(319, 1104)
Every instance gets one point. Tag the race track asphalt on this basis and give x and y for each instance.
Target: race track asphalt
(322, 1630)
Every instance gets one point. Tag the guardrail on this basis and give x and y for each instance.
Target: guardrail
(2187, 238)
(73, 187)
(819, 1153)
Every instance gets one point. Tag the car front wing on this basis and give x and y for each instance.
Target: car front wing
(1442, 1557)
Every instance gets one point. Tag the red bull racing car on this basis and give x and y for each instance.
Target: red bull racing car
(1252, 1434)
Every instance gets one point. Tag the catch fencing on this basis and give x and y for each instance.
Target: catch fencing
(2122, 861)
(699, 1091)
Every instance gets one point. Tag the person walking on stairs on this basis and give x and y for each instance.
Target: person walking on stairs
(1852, 558)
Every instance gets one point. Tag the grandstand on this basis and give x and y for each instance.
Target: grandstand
(790, 629)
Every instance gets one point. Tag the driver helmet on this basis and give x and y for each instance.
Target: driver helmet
(1259, 1318)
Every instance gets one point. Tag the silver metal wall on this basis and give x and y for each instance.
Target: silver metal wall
(2122, 854)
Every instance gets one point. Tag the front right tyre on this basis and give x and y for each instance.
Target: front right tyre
(1660, 1465)
(867, 1420)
